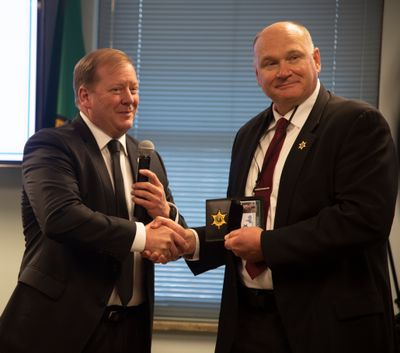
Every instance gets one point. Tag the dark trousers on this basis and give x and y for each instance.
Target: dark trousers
(122, 331)
(260, 329)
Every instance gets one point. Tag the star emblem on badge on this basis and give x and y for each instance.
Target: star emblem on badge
(302, 144)
(218, 219)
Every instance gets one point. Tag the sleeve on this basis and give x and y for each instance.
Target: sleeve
(211, 254)
(52, 182)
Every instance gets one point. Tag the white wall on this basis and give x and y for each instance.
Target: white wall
(389, 98)
(11, 238)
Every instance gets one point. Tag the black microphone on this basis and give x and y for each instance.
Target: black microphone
(145, 149)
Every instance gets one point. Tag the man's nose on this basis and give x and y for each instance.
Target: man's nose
(284, 69)
(127, 97)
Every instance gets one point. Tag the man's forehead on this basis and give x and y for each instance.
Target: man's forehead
(114, 67)
(273, 47)
(113, 72)
(270, 45)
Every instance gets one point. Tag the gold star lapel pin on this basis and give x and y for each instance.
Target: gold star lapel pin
(302, 144)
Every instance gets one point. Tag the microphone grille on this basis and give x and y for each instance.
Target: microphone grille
(145, 148)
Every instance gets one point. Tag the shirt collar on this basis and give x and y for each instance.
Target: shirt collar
(100, 136)
(303, 110)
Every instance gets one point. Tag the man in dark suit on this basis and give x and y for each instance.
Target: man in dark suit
(66, 299)
(323, 284)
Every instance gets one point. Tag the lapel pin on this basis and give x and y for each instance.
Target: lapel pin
(302, 144)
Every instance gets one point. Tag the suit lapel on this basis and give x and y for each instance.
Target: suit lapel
(132, 155)
(297, 156)
(95, 154)
(246, 157)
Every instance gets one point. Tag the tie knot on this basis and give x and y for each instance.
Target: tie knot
(114, 146)
(282, 124)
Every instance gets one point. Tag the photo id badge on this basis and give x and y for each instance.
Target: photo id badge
(252, 214)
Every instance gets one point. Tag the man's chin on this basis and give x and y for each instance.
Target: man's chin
(128, 125)
(286, 97)
(125, 126)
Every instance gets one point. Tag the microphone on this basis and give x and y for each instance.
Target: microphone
(145, 148)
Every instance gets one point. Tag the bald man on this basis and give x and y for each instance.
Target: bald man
(322, 283)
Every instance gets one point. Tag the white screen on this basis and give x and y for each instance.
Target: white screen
(18, 37)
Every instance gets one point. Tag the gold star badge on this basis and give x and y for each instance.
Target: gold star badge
(302, 144)
(219, 219)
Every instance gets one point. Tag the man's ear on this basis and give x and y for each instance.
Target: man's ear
(257, 74)
(83, 97)
(317, 59)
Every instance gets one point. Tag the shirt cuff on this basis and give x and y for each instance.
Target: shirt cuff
(140, 238)
(196, 254)
(174, 212)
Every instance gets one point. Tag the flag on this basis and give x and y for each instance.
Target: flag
(72, 49)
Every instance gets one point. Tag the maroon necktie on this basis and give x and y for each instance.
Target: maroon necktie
(124, 282)
(264, 184)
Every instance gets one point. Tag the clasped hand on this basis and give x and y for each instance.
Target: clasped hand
(167, 241)
(246, 243)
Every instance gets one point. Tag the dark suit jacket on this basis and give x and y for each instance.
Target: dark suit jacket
(74, 246)
(327, 252)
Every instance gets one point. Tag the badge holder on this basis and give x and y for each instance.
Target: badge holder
(225, 215)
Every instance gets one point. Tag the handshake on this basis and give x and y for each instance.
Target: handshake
(167, 241)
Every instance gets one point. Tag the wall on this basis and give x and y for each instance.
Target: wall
(389, 98)
(11, 238)
(183, 342)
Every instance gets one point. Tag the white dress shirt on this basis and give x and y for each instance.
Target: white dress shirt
(139, 242)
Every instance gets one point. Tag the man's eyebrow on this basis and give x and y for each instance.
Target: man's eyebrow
(295, 51)
(268, 58)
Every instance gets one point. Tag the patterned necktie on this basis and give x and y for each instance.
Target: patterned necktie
(264, 185)
(124, 282)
